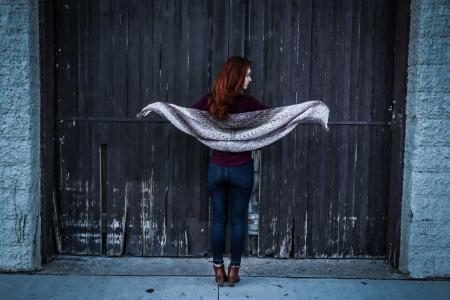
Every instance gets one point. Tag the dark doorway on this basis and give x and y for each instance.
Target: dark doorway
(123, 186)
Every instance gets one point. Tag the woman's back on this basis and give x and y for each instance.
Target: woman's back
(243, 103)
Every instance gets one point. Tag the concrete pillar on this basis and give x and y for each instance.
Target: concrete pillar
(19, 136)
(425, 223)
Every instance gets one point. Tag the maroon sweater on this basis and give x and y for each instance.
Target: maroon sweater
(243, 103)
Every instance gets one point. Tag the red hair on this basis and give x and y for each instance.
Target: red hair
(227, 86)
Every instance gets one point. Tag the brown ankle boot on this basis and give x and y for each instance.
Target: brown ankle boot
(233, 276)
(220, 274)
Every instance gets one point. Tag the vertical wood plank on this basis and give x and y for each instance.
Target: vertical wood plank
(301, 77)
(397, 139)
(271, 156)
(49, 237)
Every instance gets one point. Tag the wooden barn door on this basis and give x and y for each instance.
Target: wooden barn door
(325, 194)
(130, 186)
(137, 187)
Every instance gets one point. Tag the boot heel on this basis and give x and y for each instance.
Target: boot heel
(233, 276)
(219, 283)
(220, 275)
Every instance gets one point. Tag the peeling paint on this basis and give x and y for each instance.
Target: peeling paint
(71, 223)
(56, 224)
(163, 238)
(353, 219)
(305, 232)
(187, 242)
(75, 186)
(285, 245)
(80, 237)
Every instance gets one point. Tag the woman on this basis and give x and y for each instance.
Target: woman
(229, 172)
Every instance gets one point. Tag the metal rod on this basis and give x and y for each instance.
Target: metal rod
(133, 120)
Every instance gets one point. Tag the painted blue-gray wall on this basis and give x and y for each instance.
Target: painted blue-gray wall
(19, 136)
(425, 224)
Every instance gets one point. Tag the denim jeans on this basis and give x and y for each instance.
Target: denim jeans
(236, 181)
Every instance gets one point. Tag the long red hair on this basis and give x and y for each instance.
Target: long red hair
(227, 86)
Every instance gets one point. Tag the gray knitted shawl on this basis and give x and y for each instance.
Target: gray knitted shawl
(241, 131)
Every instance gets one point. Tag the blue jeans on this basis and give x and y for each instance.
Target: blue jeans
(238, 182)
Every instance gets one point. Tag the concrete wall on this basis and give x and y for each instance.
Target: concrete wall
(19, 136)
(425, 227)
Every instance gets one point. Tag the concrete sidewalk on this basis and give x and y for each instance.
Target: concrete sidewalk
(87, 277)
(21, 286)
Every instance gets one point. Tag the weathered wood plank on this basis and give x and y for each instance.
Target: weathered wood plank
(402, 17)
(50, 241)
(195, 216)
(286, 56)
(301, 77)
(117, 189)
(271, 156)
